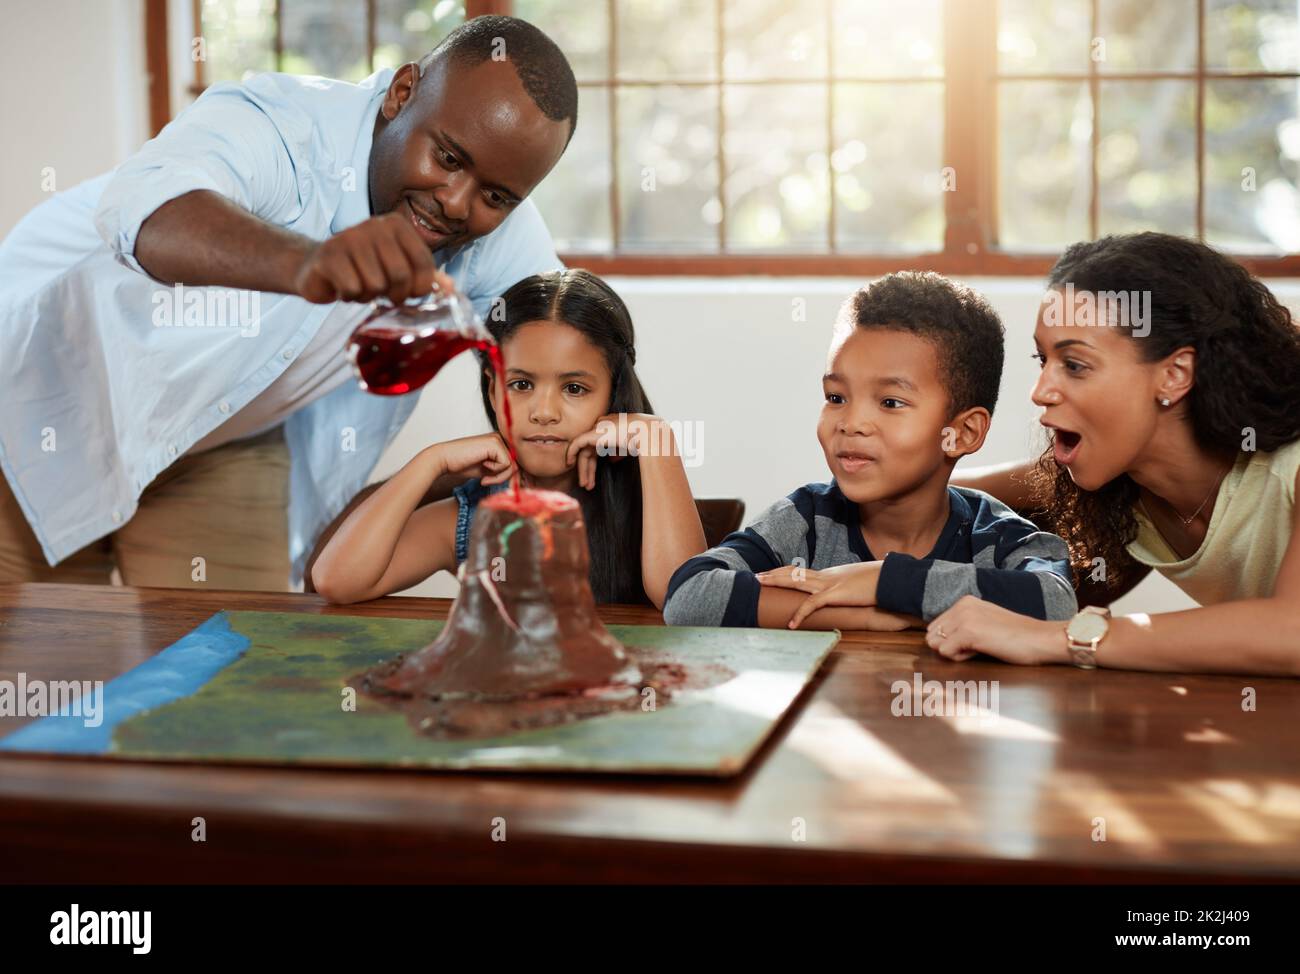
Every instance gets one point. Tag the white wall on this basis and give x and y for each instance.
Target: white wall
(73, 94)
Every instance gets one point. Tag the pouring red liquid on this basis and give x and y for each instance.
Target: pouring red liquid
(399, 349)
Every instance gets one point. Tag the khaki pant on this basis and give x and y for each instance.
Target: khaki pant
(227, 506)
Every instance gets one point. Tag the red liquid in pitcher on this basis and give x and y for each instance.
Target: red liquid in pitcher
(392, 361)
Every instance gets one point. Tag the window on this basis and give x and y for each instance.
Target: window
(859, 136)
(1179, 115)
(346, 39)
(751, 126)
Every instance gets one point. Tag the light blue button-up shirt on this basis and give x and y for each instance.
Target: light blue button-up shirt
(96, 399)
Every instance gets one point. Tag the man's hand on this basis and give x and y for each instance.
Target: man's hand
(380, 257)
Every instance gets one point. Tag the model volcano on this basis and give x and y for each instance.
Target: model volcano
(523, 630)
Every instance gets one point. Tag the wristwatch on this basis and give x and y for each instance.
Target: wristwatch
(1085, 631)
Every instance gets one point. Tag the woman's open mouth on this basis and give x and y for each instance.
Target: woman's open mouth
(1065, 446)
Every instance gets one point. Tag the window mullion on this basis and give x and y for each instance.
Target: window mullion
(279, 36)
(615, 216)
(371, 30)
(1200, 119)
(722, 130)
(1094, 96)
(830, 125)
(970, 125)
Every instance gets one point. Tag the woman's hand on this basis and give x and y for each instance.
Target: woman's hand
(485, 456)
(618, 435)
(853, 585)
(974, 626)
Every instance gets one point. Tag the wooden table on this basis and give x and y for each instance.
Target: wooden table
(1190, 786)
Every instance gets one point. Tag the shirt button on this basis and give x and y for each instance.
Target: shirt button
(287, 354)
(224, 406)
(117, 517)
(172, 449)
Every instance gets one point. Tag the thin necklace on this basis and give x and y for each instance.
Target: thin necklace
(1188, 520)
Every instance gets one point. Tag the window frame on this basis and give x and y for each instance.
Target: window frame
(970, 99)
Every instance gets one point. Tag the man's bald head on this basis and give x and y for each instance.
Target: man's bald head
(542, 67)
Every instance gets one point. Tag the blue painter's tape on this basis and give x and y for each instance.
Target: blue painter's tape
(178, 671)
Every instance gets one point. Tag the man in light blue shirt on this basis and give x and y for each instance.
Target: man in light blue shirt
(200, 296)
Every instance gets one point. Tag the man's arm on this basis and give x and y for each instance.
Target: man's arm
(209, 202)
(202, 238)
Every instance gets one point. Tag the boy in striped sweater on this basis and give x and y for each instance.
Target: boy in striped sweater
(910, 386)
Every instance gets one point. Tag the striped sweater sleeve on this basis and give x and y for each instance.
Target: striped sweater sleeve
(718, 588)
(1014, 565)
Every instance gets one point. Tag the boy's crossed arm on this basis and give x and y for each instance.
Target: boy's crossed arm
(1029, 575)
(1023, 571)
(1014, 565)
(721, 586)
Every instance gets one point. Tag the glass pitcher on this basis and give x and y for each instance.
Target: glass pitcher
(400, 347)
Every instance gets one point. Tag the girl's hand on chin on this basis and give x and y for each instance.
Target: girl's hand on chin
(616, 435)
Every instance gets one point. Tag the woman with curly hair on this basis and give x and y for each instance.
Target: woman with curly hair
(1175, 446)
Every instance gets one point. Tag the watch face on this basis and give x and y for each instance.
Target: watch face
(1087, 626)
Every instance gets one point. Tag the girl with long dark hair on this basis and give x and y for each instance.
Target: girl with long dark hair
(582, 424)
(1170, 390)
